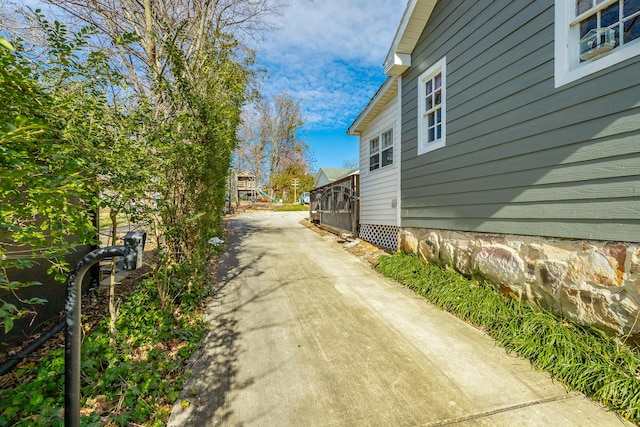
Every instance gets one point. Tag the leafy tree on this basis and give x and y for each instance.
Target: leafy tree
(46, 185)
(168, 100)
(270, 140)
(197, 144)
(185, 62)
(282, 183)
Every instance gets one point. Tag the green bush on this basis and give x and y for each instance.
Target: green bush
(140, 377)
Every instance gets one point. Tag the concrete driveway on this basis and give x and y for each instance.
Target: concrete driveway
(305, 334)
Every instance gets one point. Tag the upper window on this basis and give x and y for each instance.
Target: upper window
(374, 153)
(432, 108)
(387, 148)
(381, 154)
(594, 34)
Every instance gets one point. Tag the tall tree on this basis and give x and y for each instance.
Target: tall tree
(252, 152)
(270, 139)
(140, 32)
(188, 78)
(184, 59)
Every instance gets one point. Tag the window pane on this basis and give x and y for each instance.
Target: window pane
(431, 135)
(374, 145)
(431, 119)
(588, 25)
(616, 34)
(630, 7)
(387, 139)
(582, 6)
(429, 87)
(429, 104)
(437, 80)
(439, 133)
(374, 162)
(610, 15)
(439, 116)
(632, 29)
(438, 98)
(387, 157)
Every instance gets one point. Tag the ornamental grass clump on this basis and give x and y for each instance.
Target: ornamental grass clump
(583, 358)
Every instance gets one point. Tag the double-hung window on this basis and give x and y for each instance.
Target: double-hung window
(432, 108)
(387, 148)
(381, 150)
(591, 35)
(374, 153)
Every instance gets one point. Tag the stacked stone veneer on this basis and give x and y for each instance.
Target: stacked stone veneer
(590, 282)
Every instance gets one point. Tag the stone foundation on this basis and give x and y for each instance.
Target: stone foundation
(591, 282)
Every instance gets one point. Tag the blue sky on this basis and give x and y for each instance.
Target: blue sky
(329, 54)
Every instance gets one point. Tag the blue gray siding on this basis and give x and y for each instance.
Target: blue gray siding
(522, 157)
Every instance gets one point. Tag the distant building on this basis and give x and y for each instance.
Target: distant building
(326, 175)
(246, 186)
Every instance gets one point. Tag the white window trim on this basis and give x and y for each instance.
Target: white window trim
(566, 64)
(384, 148)
(423, 145)
(376, 152)
(378, 134)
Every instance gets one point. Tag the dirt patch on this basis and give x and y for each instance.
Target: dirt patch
(364, 250)
(94, 309)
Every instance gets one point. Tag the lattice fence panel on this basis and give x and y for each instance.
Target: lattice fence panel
(385, 236)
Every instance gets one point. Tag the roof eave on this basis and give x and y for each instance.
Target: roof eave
(379, 100)
(413, 21)
(400, 63)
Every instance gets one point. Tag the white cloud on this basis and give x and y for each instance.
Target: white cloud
(329, 54)
(349, 29)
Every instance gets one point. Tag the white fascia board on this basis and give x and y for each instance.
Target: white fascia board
(408, 11)
(381, 96)
(398, 58)
(401, 61)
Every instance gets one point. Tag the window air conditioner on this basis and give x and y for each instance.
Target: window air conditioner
(596, 42)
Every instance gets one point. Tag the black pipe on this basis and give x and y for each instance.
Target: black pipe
(73, 333)
(12, 362)
(15, 360)
(132, 252)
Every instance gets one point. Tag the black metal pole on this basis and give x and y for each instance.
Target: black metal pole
(73, 333)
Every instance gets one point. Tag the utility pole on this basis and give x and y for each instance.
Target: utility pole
(294, 184)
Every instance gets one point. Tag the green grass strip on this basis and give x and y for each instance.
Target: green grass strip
(583, 358)
(291, 208)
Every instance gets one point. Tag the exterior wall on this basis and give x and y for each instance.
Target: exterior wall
(379, 195)
(591, 282)
(521, 156)
(51, 290)
(379, 188)
(321, 180)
